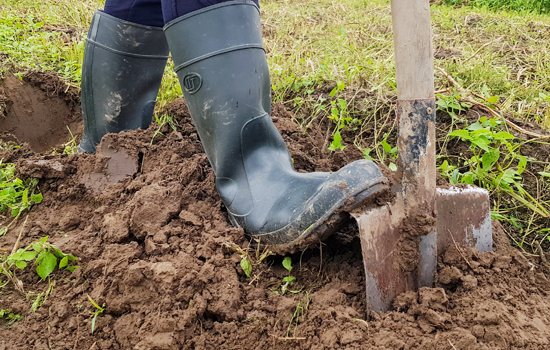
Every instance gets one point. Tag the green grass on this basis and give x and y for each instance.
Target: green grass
(537, 6)
(332, 64)
(352, 42)
(29, 43)
(318, 43)
(74, 13)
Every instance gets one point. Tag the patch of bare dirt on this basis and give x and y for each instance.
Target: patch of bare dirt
(38, 109)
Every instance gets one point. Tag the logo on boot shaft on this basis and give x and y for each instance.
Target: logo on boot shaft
(192, 82)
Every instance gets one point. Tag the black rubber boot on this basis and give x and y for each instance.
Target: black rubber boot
(222, 68)
(121, 75)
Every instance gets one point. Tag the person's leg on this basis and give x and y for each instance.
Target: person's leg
(172, 9)
(124, 60)
(146, 12)
(221, 65)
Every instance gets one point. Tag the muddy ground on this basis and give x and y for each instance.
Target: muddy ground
(157, 249)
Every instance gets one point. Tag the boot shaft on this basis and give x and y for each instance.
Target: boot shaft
(121, 75)
(220, 62)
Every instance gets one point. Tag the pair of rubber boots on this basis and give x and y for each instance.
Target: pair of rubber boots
(221, 65)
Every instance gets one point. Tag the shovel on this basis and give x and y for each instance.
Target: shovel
(402, 240)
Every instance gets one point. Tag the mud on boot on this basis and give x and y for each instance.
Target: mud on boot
(223, 72)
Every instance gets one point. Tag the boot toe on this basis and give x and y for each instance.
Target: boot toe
(321, 214)
(355, 177)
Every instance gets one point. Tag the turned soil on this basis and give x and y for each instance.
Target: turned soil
(155, 246)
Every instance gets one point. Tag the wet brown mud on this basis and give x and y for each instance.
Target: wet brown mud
(155, 248)
(37, 109)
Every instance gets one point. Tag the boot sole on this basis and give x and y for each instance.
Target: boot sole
(326, 226)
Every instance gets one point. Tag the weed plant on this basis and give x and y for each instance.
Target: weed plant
(9, 316)
(496, 164)
(15, 194)
(98, 311)
(41, 297)
(163, 120)
(45, 255)
(298, 316)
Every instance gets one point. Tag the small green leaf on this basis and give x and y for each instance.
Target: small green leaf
(366, 153)
(544, 173)
(386, 146)
(522, 164)
(482, 142)
(28, 256)
(246, 266)
(289, 279)
(58, 252)
(441, 103)
(287, 263)
(16, 256)
(63, 262)
(455, 105)
(342, 104)
(47, 264)
(25, 197)
(43, 239)
(460, 133)
(37, 198)
(72, 268)
(503, 135)
(490, 158)
(93, 323)
(336, 142)
(392, 167)
(454, 177)
(468, 178)
(21, 264)
(36, 246)
(492, 99)
(475, 126)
